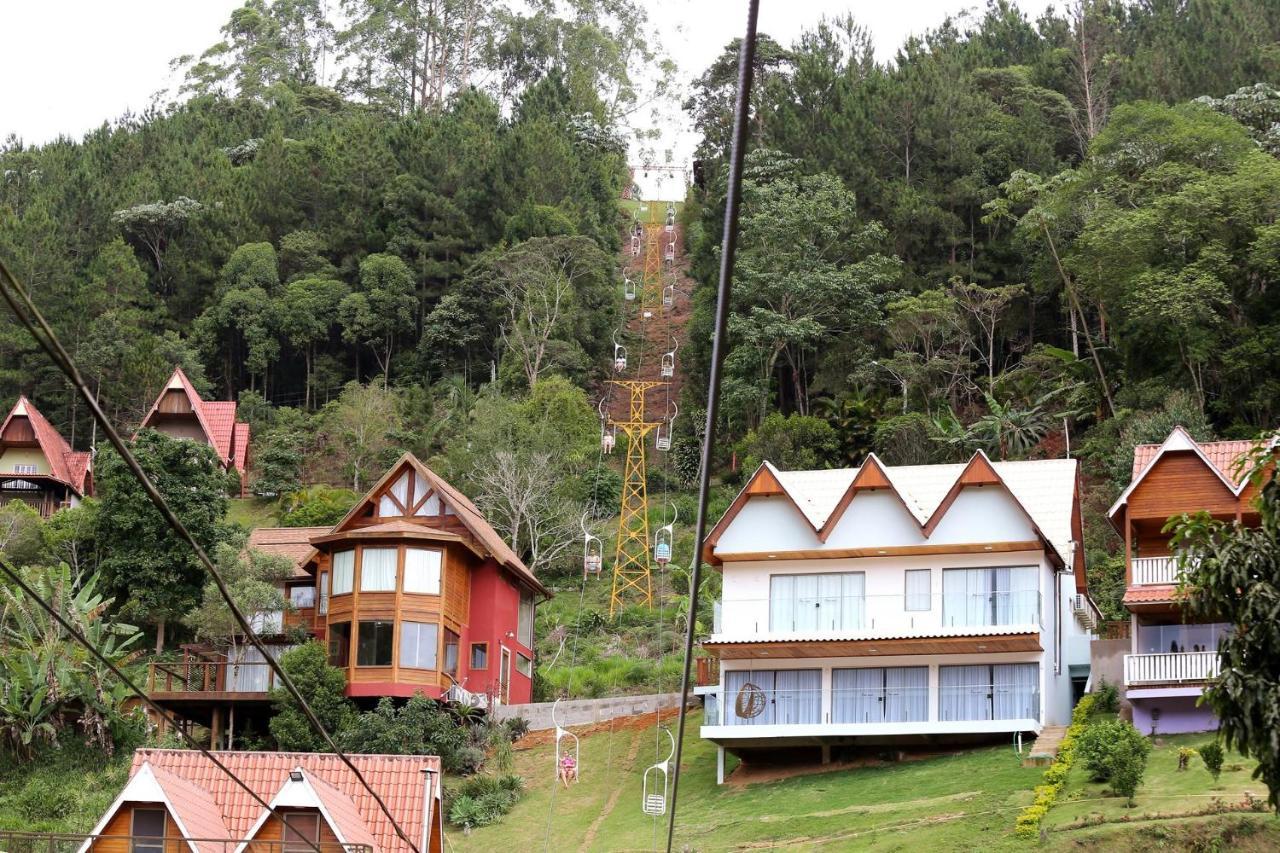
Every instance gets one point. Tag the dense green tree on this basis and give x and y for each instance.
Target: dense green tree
(794, 442)
(154, 575)
(323, 686)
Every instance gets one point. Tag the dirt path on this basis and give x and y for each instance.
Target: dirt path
(629, 762)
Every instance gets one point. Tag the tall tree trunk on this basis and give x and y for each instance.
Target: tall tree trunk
(160, 635)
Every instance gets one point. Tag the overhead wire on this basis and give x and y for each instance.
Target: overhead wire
(20, 582)
(728, 254)
(29, 316)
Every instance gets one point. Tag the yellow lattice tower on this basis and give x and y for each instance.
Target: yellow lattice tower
(631, 576)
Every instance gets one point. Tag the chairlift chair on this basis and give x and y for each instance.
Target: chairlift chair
(657, 782)
(671, 218)
(565, 741)
(608, 439)
(668, 366)
(670, 254)
(661, 438)
(619, 355)
(664, 540)
(592, 551)
(668, 296)
(635, 245)
(628, 289)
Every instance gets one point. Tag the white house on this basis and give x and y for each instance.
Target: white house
(882, 605)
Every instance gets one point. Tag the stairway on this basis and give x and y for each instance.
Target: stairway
(1045, 749)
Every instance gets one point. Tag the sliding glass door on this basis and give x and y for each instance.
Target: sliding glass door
(880, 695)
(813, 603)
(1000, 692)
(772, 697)
(990, 596)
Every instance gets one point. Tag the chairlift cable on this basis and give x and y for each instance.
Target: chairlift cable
(20, 303)
(729, 246)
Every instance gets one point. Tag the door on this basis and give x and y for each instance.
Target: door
(906, 694)
(856, 695)
(798, 695)
(748, 699)
(964, 693)
(504, 676)
(1015, 690)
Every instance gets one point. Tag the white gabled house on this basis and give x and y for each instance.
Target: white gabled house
(882, 605)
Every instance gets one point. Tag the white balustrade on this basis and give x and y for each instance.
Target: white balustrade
(1170, 668)
(1149, 571)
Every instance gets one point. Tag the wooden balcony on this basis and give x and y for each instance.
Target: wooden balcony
(204, 679)
(1170, 668)
(1154, 571)
(12, 841)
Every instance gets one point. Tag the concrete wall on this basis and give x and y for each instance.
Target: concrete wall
(1176, 715)
(1107, 662)
(582, 712)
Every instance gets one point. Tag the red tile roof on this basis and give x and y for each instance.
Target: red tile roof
(399, 779)
(194, 808)
(1150, 594)
(217, 419)
(68, 466)
(292, 543)
(1222, 454)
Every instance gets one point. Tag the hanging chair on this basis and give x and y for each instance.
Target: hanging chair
(670, 254)
(566, 744)
(592, 551)
(628, 289)
(657, 782)
(664, 540)
(668, 296)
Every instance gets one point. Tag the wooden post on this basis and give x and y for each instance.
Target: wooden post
(215, 728)
(1128, 549)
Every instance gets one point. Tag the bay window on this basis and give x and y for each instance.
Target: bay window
(373, 643)
(344, 572)
(418, 642)
(378, 570)
(422, 571)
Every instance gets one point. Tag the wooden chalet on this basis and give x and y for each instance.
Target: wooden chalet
(413, 592)
(37, 465)
(180, 412)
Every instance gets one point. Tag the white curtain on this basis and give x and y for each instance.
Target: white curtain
(1024, 592)
(807, 603)
(418, 644)
(255, 676)
(736, 682)
(378, 570)
(906, 694)
(798, 696)
(853, 586)
(401, 489)
(918, 589)
(856, 695)
(421, 571)
(963, 693)
(344, 567)
(782, 602)
(991, 596)
(1015, 691)
(831, 601)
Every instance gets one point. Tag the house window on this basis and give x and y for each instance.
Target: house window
(918, 590)
(324, 593)
(422, 571)
(990, 596)
(479, 655)
(418, 642)
(301, 832)
(524, 665)
(890, 695)
(148, 824)
(451, 652)
(24, 469)
(378, 570)
(302, 597)
(340, 643)
(524, 630)
(827, 602)
(1009, 691)
(344, 569)
(373, 644)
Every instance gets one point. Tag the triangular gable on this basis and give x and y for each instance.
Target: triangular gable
(178, 381)
(310, 792)
(870, 476)
(980, 472)
(452, 503)
(189, 806)
(1177, 440)
(763, 483)
(67, 466)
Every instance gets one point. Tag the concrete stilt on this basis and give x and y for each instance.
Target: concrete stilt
(719, 765)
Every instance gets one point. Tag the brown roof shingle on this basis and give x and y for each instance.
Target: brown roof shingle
(1222, 454)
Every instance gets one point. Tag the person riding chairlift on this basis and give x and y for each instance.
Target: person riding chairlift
(568, 769)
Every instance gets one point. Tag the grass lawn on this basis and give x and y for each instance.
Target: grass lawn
(252, 512)
(1165, 791)
(63, 790)
(965, 801)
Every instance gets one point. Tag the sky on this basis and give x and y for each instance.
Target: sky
(115, 56)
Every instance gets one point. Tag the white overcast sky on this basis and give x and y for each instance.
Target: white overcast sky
(69, 65)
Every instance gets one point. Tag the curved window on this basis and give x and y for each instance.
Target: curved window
(418, 644)
(378, 570)
(422, 571)
(373, 644)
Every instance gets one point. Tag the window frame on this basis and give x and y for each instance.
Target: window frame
(523, 663)
(159, 845)
(346, 653)
(322, 594)
(417, 645)
(439, 571)
(395, 568)
(298, 845)
(907, 593)
(484, 650)
(303, 587)
(524, 631)
(452, 647)
(350, 574)
(391, 642)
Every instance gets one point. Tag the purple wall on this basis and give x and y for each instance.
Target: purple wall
(1178, 714)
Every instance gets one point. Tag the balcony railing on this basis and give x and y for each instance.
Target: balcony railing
(1170, 668)
(753, 706)
(708, 671)
(54, 842)
(1155, 571)
(197, 676)
(881, 614)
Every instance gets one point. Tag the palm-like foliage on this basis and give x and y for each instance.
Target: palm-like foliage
(48, 677)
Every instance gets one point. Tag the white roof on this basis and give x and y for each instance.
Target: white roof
(1044, 487)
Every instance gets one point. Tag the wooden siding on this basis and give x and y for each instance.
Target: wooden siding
(19, 431)
(457, 587)
(273, 830)
(122, 825)
(174, 402)
(1180, 482)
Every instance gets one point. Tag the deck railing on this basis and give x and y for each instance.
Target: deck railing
(202, 676)
(54, 842)
(1155, 571)
(1170, 668)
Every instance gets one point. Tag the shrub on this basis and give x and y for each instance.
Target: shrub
(791, 442)
(420, 726)
(482, 800)
(1028, 821)
(41, 797)
(1185, 754)
(517, 727)
(1108, 697)
(1127, 761)
(1212, 754)
(324, 687)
